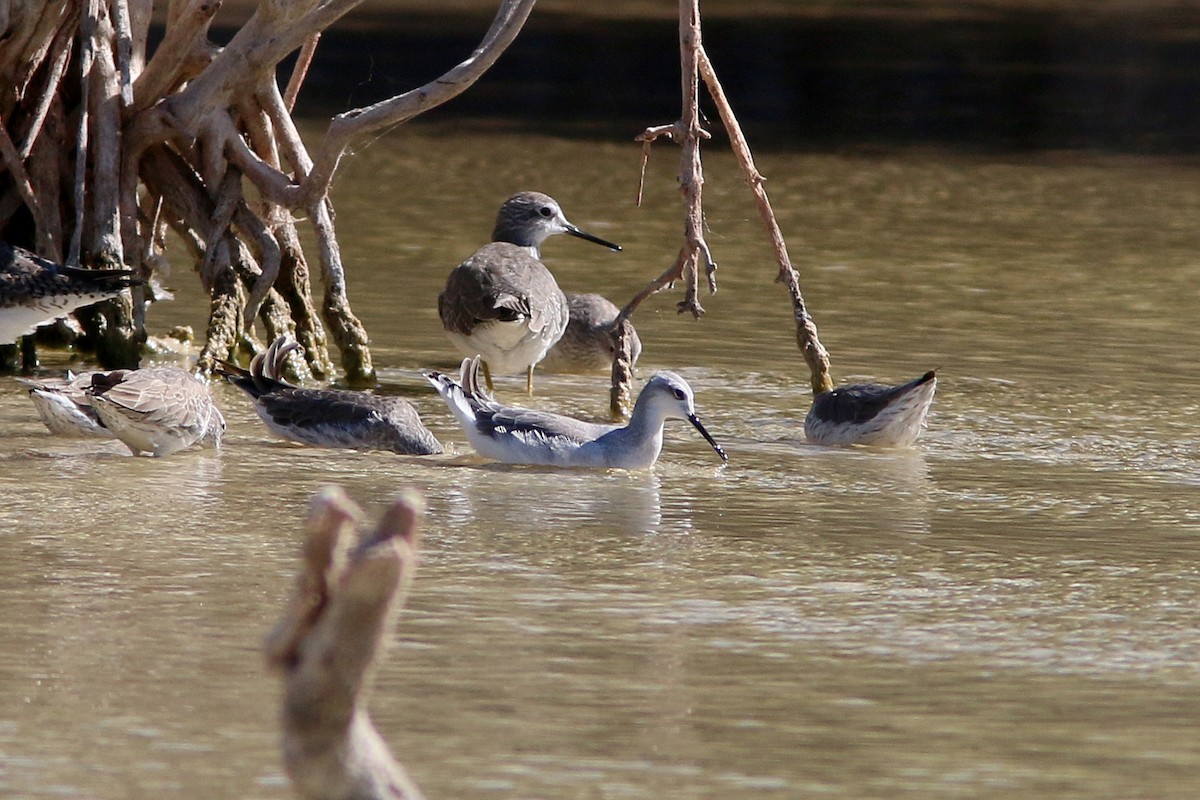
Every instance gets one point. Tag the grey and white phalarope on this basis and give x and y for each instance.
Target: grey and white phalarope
(524, 436)
(871, 413)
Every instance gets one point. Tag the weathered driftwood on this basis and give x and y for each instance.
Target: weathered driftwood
(688, 133)
(337, 622)
(226, 125)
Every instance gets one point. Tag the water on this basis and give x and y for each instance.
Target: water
(1009, 608)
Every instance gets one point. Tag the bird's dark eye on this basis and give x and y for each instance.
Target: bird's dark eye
(679, 393)
(546, 212)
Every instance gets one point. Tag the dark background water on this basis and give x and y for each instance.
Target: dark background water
(995, 75)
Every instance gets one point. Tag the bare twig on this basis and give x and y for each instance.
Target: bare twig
(648, 137)
(687, 133)
(347, 127)
(300, 71)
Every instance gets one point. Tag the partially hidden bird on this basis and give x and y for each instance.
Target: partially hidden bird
(587, 345)
(65, 407)
(35, 291)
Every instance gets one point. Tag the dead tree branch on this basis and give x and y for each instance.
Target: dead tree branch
(211, 117)
(810, 346)
(687, 133)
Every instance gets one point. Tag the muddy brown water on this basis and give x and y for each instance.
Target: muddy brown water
(1008, 608)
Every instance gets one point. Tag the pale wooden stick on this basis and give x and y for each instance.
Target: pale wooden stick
(124, 30)
(335, 626)
(187, 31)
(106, 247)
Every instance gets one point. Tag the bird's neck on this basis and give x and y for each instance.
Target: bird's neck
(520, 238)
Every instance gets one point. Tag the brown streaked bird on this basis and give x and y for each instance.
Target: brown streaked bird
(157, 411)
(587, 343)
(64, 406)
(871, 413)
(328, 417)
(502, 303)
(35, 290)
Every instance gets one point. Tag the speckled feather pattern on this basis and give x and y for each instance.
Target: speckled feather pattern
(157, 411)
(35, 291)
(64, 406)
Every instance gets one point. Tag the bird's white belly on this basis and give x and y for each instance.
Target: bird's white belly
(146, 436)
(508, 347)
(19, 320)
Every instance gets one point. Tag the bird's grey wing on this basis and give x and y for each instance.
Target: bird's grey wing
(296, 407)
(530, 424)
(855, 403)
(474, 296)
(349, 419)
(496, 283)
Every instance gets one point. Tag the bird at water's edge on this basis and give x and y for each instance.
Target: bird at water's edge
(524, 436)
(157, 411)
(587, 345)
(502, 303)
(35, 291)
(65, 407)
(871, 414)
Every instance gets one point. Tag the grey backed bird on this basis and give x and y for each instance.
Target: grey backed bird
(871, 413)
(526, 436)
(328, 417)
(502, 303)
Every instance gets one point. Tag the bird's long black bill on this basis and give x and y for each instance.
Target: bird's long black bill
(582, 234)
(707, 436)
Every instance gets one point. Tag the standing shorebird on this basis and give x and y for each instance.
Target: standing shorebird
(587, 343)
(523, 436)
(157, 411)
(502, 303)
(35, 291)
(328, 417)
(871, 413)
(65, 407)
